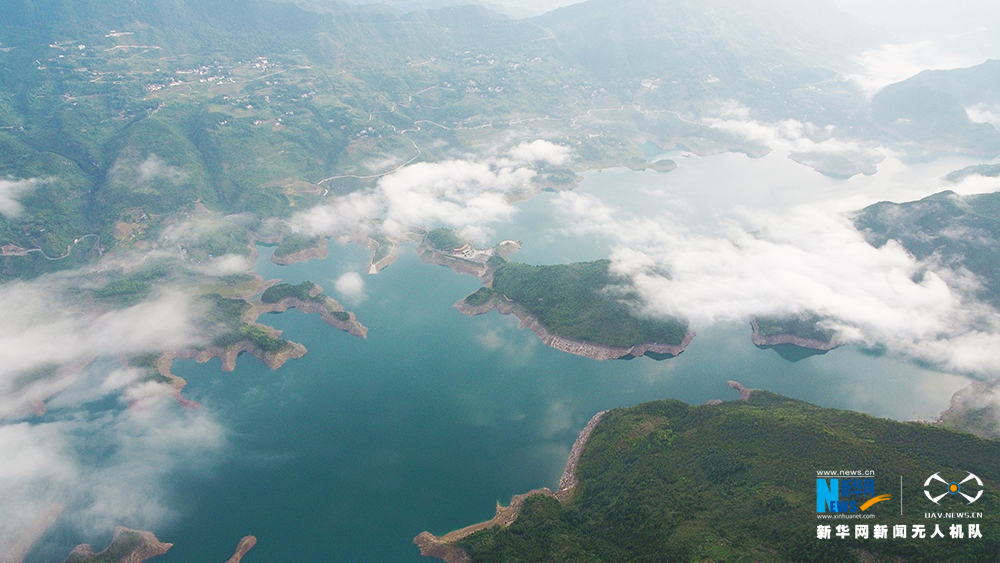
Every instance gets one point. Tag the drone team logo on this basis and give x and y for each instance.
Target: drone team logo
(952, 488)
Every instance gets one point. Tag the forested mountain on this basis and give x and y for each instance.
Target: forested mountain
(667, 481)
(933, 111)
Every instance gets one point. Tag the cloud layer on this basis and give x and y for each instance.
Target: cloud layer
(894, 63)
(984, 113)
(808, 260)
(45, 342)
(105, 467)
(794, 137)
(464, 195)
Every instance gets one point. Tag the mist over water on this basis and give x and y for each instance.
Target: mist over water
(349, 452)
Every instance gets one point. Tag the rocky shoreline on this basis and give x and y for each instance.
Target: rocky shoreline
(325, 310)
(459, 265)
(779, 339)
(228, 355)
(482, 269)
(136, 546)
(444, 547)
(590, 350)
(127, 546)
(318, 251)
(242, 548)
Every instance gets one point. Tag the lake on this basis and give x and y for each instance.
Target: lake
(349, 452)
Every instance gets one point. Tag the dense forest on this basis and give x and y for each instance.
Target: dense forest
(667, 481)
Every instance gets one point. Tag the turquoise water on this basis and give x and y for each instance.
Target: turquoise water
(349, 452)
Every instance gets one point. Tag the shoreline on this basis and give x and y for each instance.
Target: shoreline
(242, 548)
(779, 339)
(444, 547)
(318, 251)
(274, 360)
(587, 349)
(324, 310)
(482, 270)
(144, 545)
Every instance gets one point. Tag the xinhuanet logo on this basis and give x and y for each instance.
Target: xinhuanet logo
(846, 495)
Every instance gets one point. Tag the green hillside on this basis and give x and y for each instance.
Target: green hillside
(263, 108)
(583, 301)
(667, 481)
(122, 110)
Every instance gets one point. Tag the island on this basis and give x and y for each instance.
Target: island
(580, 308)
(299, 248)
(793, 337)
(734, 481)
(242, 548)
(127, 546)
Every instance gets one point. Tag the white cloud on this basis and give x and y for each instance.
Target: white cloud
(894, 63)
(10, 192)
(346, 216)
(45, 342)
(154, 167)
(350, 285)
(541, 151)
(464, 195)
(456, 193)
(227, 264)
(984, 113)
(106, 468)
(203, 224)
(810, 259)
(382, 164)
(491, 339)
(792, 136)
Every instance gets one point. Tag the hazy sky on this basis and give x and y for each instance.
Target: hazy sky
(966, 26)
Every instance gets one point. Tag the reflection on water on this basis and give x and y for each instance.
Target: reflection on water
(793, 353)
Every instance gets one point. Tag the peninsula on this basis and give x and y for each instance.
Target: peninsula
(730, 481)
(446, 548)
(580, 308)
(234, 321)
(297, 248)
(136, 546)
